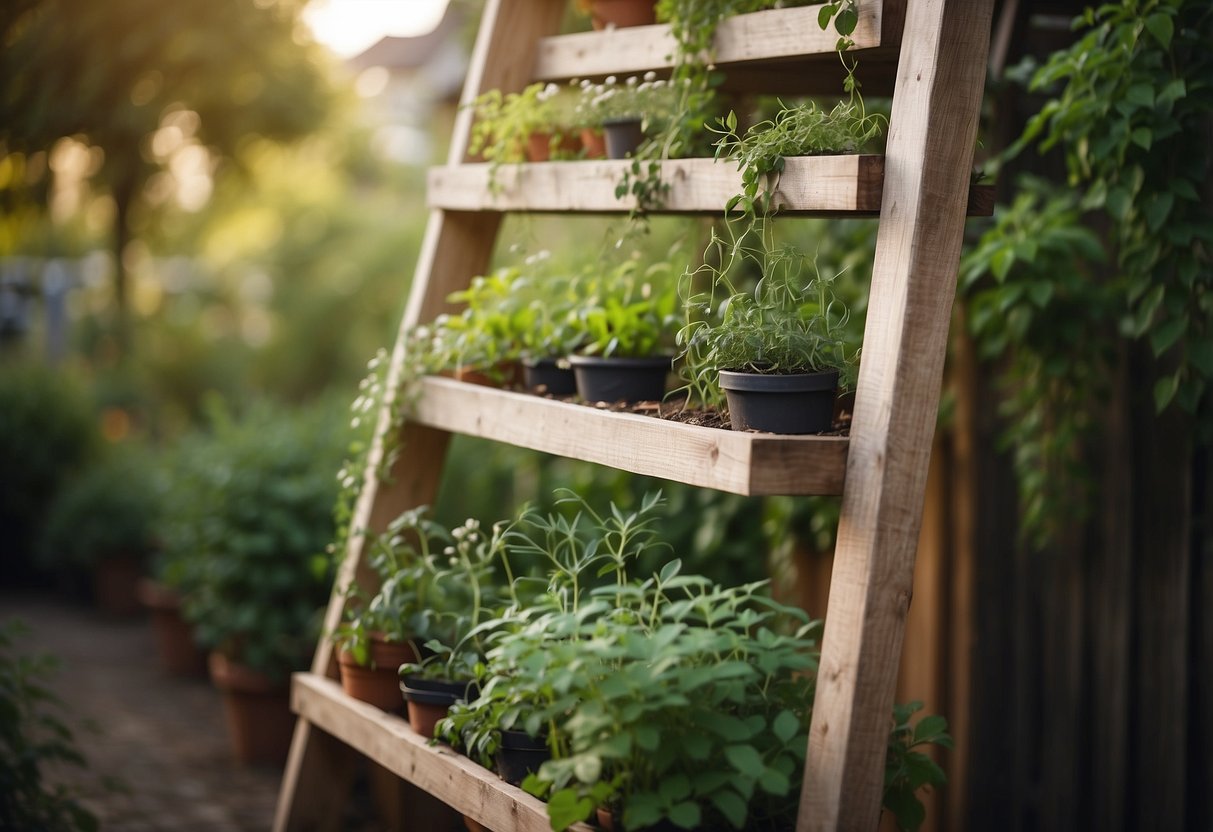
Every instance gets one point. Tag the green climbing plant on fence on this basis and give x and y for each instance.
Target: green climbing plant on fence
(1130, 112)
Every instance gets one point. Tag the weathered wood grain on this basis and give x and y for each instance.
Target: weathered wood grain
(741, 463)
(436, 769)
(933, 127)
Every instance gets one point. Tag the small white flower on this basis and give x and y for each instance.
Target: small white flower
(650, 76)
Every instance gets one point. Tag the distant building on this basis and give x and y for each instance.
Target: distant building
(412, 85)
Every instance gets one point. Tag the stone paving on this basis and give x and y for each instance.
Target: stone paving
(163, 738)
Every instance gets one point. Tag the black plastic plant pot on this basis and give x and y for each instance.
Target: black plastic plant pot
(623, 136)
(781, 403)
(419, 684)
(520, 754)
(549, 376)
(620, 379)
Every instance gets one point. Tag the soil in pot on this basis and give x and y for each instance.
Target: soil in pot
(376, 682)
(520, 754)
(428, 700)
(623, 136)
(793, 403)
(622, 13)
(546, 376)
(179, 654)
(259, 718)
(620, 379)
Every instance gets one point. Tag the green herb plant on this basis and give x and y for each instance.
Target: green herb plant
(628, 311)
(504, 123)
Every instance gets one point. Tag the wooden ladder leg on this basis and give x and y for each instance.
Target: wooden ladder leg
(933, 127)
(456, 246)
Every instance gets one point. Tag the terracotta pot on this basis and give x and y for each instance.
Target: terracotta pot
(179, 654)
(473, 825)
(622, 13)
(115, 585)
(429, 700)
(376, 683)
(539, 146)
(594, 142)
(259, 718)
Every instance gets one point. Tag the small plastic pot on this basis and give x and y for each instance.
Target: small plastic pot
(792, 403)
(623, 136)
(520, 754)
(547, 376)
(428, 701)
(620, 379)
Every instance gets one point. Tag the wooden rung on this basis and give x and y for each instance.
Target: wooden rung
(740, 463)
(810, 185)
(760, 36)
(389, 741)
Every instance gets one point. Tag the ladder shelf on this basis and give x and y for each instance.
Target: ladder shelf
(931, 55)
(741, 463)
(839, 186)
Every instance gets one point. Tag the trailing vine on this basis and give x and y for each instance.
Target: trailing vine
(1130, 113)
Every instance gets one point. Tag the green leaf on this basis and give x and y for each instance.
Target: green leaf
(930, 727)
(824, 15)
(1001, 262)
(1163, 337)
(745, 758)
(1140, 94)
(1162, 28)
(565, 809)
(588, 768)
(685, 814)
(1041, 293)
(1143, 137)
(1164, 391)
(731, 806)
(785, 726)
(846, 22)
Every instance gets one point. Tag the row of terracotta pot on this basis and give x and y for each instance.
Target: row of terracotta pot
(618, 139)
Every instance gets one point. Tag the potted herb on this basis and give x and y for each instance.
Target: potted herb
(536, 125)
(625, 321)
(483, 343)
(381, 633)
(775, 351)
(264, 490)
(463, 594)
(627, 111)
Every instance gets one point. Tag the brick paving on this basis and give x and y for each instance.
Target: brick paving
(163, 738)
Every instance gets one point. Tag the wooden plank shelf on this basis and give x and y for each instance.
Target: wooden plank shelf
(740, 463)
(760, 36)
(849, 185)
(389, 741)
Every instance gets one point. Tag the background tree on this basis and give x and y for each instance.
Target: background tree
(139, 79)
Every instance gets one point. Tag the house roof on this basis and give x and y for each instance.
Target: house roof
(397, 53)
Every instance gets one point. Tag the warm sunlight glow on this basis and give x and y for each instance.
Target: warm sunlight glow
(349, 26)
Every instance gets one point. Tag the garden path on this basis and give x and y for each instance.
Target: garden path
(163, 738)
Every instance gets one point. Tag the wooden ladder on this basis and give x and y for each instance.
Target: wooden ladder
(931, 55)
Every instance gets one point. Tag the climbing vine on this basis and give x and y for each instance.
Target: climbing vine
(1130, 114)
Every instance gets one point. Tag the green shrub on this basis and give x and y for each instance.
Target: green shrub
(46, 433)
(248, 514)
(109, 509)
(32, 735)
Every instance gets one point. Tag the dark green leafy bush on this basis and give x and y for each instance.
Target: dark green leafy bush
(248, 516)
(46, 433)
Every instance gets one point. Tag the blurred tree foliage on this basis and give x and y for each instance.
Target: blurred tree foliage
(117, 75)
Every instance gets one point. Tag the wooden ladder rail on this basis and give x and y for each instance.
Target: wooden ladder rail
(456, 245)
(928, 162)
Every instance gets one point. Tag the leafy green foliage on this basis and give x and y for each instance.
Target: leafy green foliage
(627, 310)
(109, 509)
(1034, 300)
(32, 735)
(908, 769)
(248, 512)
(46, 434)
(1129, 107)
(790, 322)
